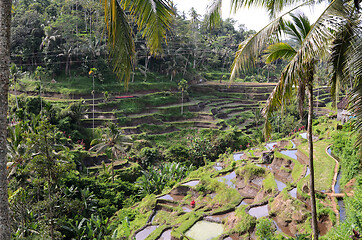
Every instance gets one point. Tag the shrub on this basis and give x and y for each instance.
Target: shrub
(177, 153)
(148, 156)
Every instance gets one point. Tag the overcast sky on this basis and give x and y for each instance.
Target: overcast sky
(254, 18)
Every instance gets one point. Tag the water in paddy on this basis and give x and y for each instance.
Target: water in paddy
(293, 192)
(166, 197)
(186, 209)
(237, 156)
(280, 185)
(228, 178)
(154, 215)
(270, 146)
(191, 183)
(217, 167)
(264, 166)
(166, 235)
(337, 189)
(307, 172)
(304, 135)
(145, 232)
(242, 203)
(204, 230)
(342, 210)
(259, 212)
(290, 153)
(293, 143)
(329, 150)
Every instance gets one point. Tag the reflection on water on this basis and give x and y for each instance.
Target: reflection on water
(342, 210)
(270, 146)
(166, 235)
(145, 232)
(293, 192)
(329, 150)
(166, 197)
(217, 168)
(154, 215)
(264, 166)
(293, 143)
(337, 187)
(280, 185)
(303, 135)
(307, 172)
(242, 203)
(237, 156)
(228, 179)
(191, 183)
(186, 209)
(259, 212)
(290, 153)
(204, 230)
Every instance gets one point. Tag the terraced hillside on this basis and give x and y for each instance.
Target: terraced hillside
(206, 105)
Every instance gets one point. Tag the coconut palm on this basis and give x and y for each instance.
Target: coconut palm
(346, 63)
(298, 75)
(297, 30)
(111, 140)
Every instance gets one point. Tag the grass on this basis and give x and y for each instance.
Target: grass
(297, 169)
(323, 164)
(269, 184)
(249, 170)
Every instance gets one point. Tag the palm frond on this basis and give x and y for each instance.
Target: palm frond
(279, 51)
(153, 18)
(355, 68)
(213, 16)
(251, 48)
(120, 40)
(356, 107)
(342, 52)
(273, 6)
(298, 28)
(314, 45)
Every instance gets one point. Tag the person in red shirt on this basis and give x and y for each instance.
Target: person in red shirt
(192, 203)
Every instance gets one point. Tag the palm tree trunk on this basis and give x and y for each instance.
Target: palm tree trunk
(182, 103)
(5, 20)
(16, 96)
(112, 171)
(310, 142)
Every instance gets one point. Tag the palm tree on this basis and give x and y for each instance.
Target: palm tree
(5, 23)
(111, 140)
(346, 63)
(313, 42)
(297, 30)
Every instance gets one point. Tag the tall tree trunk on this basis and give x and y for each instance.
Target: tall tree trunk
(5, 20)
(310, 142)
(16, 96)
(182, 103)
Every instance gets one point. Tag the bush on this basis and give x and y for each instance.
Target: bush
(148, 156)
(177, 153)
(265, 228)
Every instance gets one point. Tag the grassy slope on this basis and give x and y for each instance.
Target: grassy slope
(323, 163)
